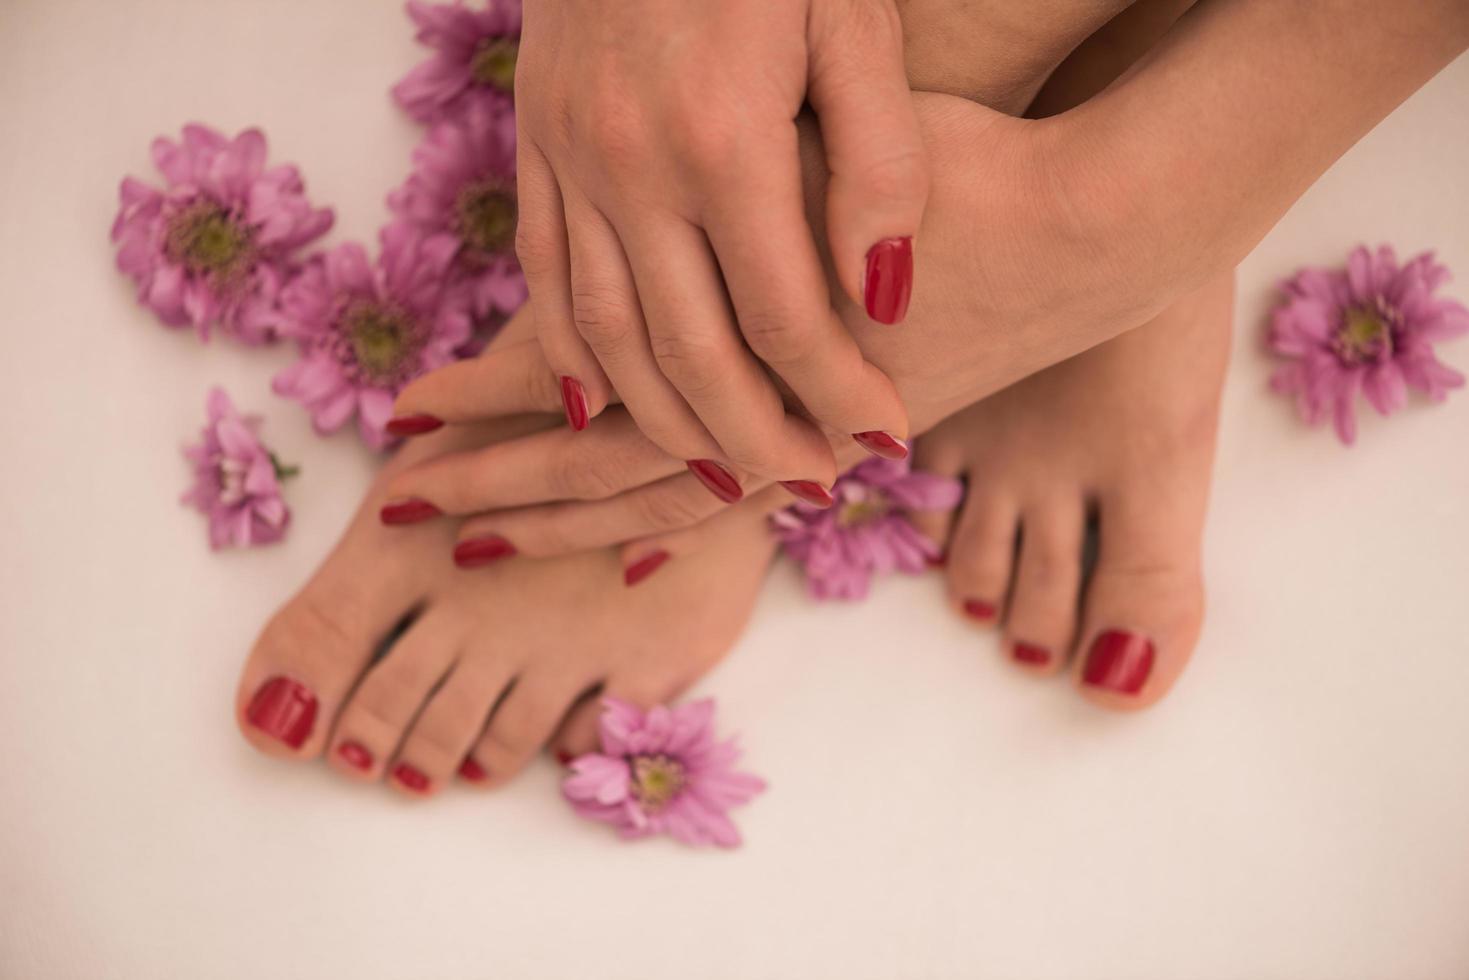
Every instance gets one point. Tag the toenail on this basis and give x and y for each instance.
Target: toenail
(1119, 661)
(939, 560)
(410, 777)
(643, 567)
(979, 609)
(284, 710)
(481, 551)
(472, 771)
(881, 444)
(355, 755)
(810, 491)
(1027, 653)
(409, 511)
(413, 425)
(720, 481)
(564, 757)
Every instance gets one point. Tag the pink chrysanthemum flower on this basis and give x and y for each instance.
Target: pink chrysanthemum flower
(463, 184)
(474, 58)
(662, 772)
(216, 245)
(237, 482)
(365, 331)
(866, 531)
(1368, 328)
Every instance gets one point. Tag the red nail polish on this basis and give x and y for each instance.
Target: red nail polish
(413, 425)
(881, 444)
(1029, 653)
(889, 281)
(720, 481)
(481, 551)
(564, 757)
(472, 771)
(408, 512)
(1119, 661)
(284, 710)
(410, 777)
(574, 398)
(643, 567)
(939, 560)
(355, 755)
(979, 609)
(810, 491)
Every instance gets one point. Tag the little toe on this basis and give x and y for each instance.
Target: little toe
(1041, 620)
(438, 746)
(390, 696)
(981, 553)
(524, 721)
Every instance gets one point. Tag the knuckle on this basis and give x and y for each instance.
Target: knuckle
(775, 336)
(896, 177)
(601, 315)
(533, 250)
(707, 145)
(580, 478)
(615, 133)
(669, 510)
(689, 360)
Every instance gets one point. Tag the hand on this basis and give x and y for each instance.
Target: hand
(662, 225)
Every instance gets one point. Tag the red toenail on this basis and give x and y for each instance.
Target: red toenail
(979, 609)
(284, 710)
(408, 512)
(355, 755)
(481, 551)
(720, 481)
(472, 771)
(810, 491)
(1027, 653)
(937, 561)
(1119, 661)
(643, 567)
(410, 777)
(413, 425)
(564, 757)
(881, 444)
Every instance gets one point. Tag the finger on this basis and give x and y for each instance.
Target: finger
(698, 348)
(556, 464)
(641, 558)
(879, 174)
(783, 303)
(541, 245)
(505, 380)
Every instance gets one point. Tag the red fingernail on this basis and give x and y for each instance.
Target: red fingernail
(889, 281)
(284, 710)
(810, 491)
(472, 771)
(937, 561)
(355, 755)
(413, 425)
(574, 398)
(1028, 653)
(979, 609)
(408, 512)
(881, 444)
(720, 481)
(643, 567)
(410, 777)
(481, 551)
(1119, 661)
(564, 757)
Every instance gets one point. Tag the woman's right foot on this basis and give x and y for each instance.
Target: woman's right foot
(1121, 436)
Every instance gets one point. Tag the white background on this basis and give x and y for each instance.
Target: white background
(1299, 808)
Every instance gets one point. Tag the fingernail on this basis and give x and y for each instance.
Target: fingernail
(1119, 661)
(939, 560)
(720, 481)
(284, 710)
(472, 771)
(563, 757)
(643, 567)
(481, 551)
(1028, 653)
(810, 491)
(881, 444)
(574, 398)
(889, 281)
(979, 609)
(409, 511)
(355, 755)
(410, 777)
(413, 425)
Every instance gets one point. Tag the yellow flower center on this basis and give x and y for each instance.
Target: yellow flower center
(493, 63)
(205, 240)
(1365, 335)
(487, 215)
(657, 779)
(864, 509)
(381, 339)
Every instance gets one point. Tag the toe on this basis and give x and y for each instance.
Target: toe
(524, 721)
(578, 732)
(1145, 603)
(981, 552)
(390, 696)
(439, 744)
(1041, 620)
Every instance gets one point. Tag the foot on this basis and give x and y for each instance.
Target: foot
(394, 663)
(1123, 436)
